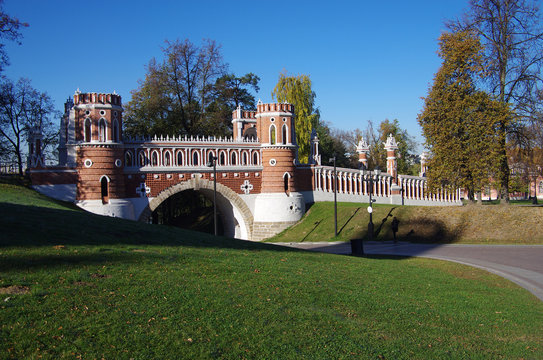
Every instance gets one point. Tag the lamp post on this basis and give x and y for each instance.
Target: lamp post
(333, 159)
(376, 172)
(213, 162)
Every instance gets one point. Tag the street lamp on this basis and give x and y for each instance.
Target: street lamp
(213, 162)
(333, 159)
(357, 246)
(376, 173)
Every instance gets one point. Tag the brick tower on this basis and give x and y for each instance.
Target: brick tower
(91, 141)
(280, 204)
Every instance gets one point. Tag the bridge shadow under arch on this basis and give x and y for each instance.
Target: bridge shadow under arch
(236, 216)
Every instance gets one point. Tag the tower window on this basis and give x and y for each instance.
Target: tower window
(272, 134)
(88, 129)
(102, 130)
(167, 158)
(195, 159)
(115, 131)
(154, 159)
(104, 185)
(284, 134)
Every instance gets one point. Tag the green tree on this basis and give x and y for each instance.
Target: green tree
(297, 90)
(23, 108)
(9, 30)
(461, 124)
(229, 92)
(512, 35)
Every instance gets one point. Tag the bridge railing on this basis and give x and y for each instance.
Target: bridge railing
(412, 189)
(352, 181)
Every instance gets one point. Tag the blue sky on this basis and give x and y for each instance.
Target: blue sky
(368, 60)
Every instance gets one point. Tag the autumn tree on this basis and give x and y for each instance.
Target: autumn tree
(297, 90)
(512, 36)
(23, 108)
(376, 137)
(10, 29)
(461, 124)
(173, 98)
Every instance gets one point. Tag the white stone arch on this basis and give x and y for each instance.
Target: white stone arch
(235, 214)
(167, 161)
(155, 158)
(195, 157)
(142, 159)
(222, 158)
(255, 157)
(128, 158)
(180, 158)
(244, 158)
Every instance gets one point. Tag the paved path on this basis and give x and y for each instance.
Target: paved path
(522, 264)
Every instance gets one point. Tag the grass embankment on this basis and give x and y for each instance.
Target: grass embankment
(452, 224)
(74, 284)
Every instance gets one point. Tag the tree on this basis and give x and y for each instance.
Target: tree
(173, 98)
(297, 90)
(512, 35)
(9, 30)
(229, 92)
(460, 123)
(23, 108)
(376, 139)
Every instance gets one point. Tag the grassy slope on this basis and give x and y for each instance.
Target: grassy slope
(466, 224)
(102, 287)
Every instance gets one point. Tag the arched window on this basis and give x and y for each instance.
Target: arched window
(180, 158)
(244, 158)
(234, 158)
(195, 159)
(102, 127)
(128, 158)
(284, 135)
(115, 131)
(272, 134)
(222, 158)
(154, 158)
(541, 187)
(167, 158)
(255, 158)
(142, 158)
(210, 156)
(104, 186)
(88, 129)
(286, 177)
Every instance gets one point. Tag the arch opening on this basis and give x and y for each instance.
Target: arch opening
(236, 217)
(189, 209)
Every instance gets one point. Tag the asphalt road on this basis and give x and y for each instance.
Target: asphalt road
(522, 264)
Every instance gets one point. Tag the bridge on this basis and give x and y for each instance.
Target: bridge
(262, 188)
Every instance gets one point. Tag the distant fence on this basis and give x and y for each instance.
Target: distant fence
(9, 168)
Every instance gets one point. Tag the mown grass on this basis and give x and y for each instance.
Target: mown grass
(451, 224)
(93, 287)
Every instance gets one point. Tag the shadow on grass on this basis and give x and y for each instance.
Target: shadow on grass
(317, 223)
(31, 226)
(419, 230)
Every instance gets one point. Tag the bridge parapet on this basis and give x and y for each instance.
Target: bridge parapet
(410, 190)
(184, 153)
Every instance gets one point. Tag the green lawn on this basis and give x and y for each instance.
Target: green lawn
(449, 224)
(76, 285)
